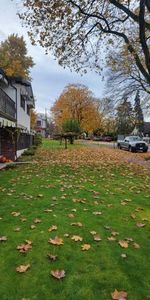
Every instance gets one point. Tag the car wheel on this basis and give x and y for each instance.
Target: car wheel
(145, 150)
(130, 149)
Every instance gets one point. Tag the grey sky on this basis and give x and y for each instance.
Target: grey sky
(49, 79)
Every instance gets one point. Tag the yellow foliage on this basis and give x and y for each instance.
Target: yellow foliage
(77, 102)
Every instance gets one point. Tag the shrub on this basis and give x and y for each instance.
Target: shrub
(37, 140)
(29, 152)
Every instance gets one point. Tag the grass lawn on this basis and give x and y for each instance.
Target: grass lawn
(81, 191)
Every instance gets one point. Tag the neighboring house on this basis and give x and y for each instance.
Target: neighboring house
(16, 100)
(147, 129)
(42, 124)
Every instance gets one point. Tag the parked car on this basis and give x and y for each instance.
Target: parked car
(107, 139)
(133, 144)
(97, 138)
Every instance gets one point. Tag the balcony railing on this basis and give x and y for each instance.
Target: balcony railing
(7, 106)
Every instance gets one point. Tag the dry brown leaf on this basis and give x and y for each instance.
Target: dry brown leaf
(23, 268)
(52, 228)
(24, 247)
(116, 295)
(123, 243)
(111, 238)
(66, 234)
(71, 215)
(77, 224)
(133, 216)
(17, 229)
(93, 232)
(96, 213)
(3, 238)
(123, 255)
(140, 225)
(56, 241)
(15, 214)
(58, 274)
(37, 221)
(114, 233)
(76, 238)
(48, 210)
(85, 247)
(97, 238)
(136, 246)
(52, 257)
(32, 226)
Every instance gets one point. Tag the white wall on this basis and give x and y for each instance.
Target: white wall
(10, 91)
(23, 119)
(19, 152)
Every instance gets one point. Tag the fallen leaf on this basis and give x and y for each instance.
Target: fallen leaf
(15, 214)
(66, 234)
(77, 224)
(58, 274)
(52, 228)
(71, 215)
(32, 226)
(116, 295)
(56, 241)
(48, 210)
(93, 232)
(3, 238)
(136, 246)
(123, 255)
(24, 247)
(76, 238)
(96, 213)
(85, 247)
(52, 257)
(97, 238)
(22, 268)
(17, 229)
(133, 216)
(111, 238)
(123, 243)
(140, 225)
(37, 221)
(114, 233)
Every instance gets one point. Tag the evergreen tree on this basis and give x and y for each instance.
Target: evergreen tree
(71, 125)
(125, 118)
(138, 113)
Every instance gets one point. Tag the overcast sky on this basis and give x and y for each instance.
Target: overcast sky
(48, 78)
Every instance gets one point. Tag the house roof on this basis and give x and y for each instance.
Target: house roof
(26, 83)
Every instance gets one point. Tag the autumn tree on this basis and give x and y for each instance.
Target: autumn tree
(13, 57)
(77, 102)
(33, 116)
(86, 29)
(125, 117)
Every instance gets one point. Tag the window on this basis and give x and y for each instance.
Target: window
(28, 110)
(22, 102)
(38, 123)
